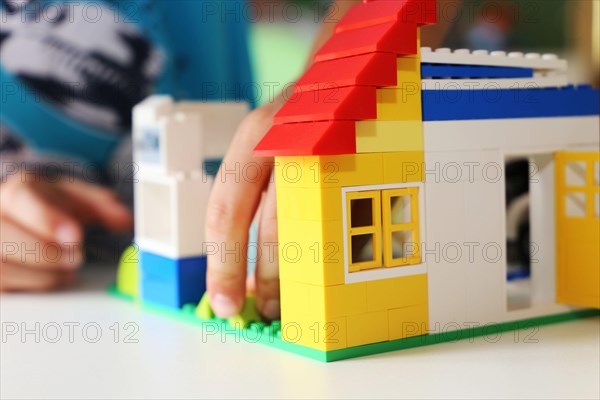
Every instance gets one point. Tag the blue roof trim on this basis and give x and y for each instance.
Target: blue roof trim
(570, 101)
(473, 71)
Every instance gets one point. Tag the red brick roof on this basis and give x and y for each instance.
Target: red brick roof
(339, 88)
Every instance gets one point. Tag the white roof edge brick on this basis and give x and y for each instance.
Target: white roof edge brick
(496, 58)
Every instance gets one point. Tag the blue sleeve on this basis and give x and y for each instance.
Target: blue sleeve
(208, 44)
(206, 57)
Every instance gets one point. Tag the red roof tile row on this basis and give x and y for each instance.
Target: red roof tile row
(340, 87)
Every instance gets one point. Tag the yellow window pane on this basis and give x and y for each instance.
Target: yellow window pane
(596, 173)
(575, 204)
(363, 218)
(401, 209)
(361, 212)
(363, 208)
(362, 248)
(400, 226)
(398, 205)
(403, 245)
(575, 173)
(597, 205)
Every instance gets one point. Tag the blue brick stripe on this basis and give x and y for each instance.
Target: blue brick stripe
(473, 71)
(448, 105)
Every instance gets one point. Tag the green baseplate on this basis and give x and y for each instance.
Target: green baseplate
(270, 334)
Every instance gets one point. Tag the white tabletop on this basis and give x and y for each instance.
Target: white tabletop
(172, 359)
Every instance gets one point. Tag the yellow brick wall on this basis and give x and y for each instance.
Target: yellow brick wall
(394, 136)
(345, 315)
(334, 172)
(318, 309)
(400, 103)
(398, 126)
(311, 252)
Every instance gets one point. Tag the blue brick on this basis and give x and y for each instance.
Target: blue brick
(448, 105)
(473, 71)
(172, 282)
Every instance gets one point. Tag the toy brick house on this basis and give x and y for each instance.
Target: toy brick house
(395, 203)
(390, 176)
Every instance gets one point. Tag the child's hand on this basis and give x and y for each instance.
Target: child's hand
(234, 200)
(41, 229)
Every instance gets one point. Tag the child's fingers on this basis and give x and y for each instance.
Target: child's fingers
(231, 208)
(267, 272)
(15, 277)
(31, 209)
(95, 203)
(20, 246)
